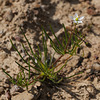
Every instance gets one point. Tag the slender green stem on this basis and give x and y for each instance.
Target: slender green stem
(56, 61)
(25, 68)
(68, 43)
(63, 61)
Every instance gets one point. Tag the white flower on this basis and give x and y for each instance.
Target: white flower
(77, 19)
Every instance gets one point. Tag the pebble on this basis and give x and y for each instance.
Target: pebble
(96, 66)
(88, 71)
(9, 15)
(37, 84)
(35, 18)
(9, 45)
(14, 89)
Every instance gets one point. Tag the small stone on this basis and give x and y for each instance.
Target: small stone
(9, 45)
(9, 16)
(37, 84)
(14, 89)
(35, 18)
(88, 71)
(96, 66)
(1, 90)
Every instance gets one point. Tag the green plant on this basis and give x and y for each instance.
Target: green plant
(42, 69)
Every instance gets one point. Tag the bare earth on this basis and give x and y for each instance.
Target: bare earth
(30, 15)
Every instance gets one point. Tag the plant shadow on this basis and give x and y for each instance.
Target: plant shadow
(49, 90)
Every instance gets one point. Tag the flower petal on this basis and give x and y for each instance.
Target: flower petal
(76, 15)
(74, 18)
(75, 21)
(81, 18)
(80, 21)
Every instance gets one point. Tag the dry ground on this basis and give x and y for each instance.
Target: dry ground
(30, 15)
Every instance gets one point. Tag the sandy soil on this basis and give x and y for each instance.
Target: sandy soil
(30, 15)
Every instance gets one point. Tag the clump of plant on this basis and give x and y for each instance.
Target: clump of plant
(42, 67)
